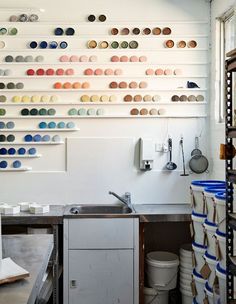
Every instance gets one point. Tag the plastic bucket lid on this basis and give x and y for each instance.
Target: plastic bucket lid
(210, 258)
(221, 272)
(162, 259)
(213, 190)
(199, 248)
(207, 183)
(220, 235)
(209, 290)
(199, 217)
(221, 196)
(198, 277)
(210, 226)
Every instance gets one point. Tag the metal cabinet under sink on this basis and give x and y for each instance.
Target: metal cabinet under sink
(101, 261)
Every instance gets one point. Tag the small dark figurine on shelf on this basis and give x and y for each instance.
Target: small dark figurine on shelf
(192, 85)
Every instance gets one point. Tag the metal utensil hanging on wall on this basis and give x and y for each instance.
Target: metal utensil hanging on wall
(198, 162)
(196, 150)
(182, 150)
(170, 165)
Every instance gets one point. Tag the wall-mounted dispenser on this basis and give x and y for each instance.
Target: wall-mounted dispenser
(147, 149)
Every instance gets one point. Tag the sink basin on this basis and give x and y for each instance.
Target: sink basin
(100, 209)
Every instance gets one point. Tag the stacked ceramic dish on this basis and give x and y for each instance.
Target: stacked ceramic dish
(204, 232)
(186, 270)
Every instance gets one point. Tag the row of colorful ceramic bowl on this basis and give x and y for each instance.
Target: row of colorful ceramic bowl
(76, 58)
(54, 125)
(16, 164)
(7, 125)
(166, 72)
(7, 138)
(180, 44)
(69, 85)
(97, 98)
(11, 86)
(92, 44)
(50, 72)
(137, 31)
(99, 72)
(139, 98)
(60, 31)
(84, 112)
(176, 98)
(41, 138)
(145, 111)
(36, 112)
(19, 151)
(8, 31)
(34, 98)
(50, 44)
(125, 58)
(20, 58)
(92, 18)
(24, 18)
(131, 85)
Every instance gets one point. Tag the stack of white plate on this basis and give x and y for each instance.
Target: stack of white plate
(186, 270)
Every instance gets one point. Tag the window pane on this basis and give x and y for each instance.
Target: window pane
(230, 41)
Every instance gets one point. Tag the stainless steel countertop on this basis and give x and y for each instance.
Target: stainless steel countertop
(163, 213)
(146, 213)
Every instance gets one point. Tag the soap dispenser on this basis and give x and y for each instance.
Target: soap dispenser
(147, 149)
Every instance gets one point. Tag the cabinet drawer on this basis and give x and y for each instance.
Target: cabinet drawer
(100, 233)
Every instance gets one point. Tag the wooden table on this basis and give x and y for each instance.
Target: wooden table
(31, 252)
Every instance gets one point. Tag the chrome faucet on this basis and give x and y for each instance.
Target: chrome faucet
(125, 200)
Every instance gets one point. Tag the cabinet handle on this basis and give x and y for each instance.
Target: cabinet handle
(73, 284)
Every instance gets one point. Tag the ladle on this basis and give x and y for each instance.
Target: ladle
(170, 165)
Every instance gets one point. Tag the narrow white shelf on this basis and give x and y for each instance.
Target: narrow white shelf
(102, 76)
(107, 90)
(32, 143)
(101, 117)
(124, 23)
(112, 103)
(69, 50)
(146, 63)
(104, 36)
(56, 130)
(16, 169)
(21, 156)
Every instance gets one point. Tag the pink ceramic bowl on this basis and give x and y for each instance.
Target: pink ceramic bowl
(159, 72)
(118, 72)
(142, 58)
(133, 59)
(69, 72)
(88, 72)
(124, 59)
(64, 58)
(60, 72)
(83, 58)
(108, 72)
(168, 72)
(149, 72)
(115, 59)
(98, 72)
(74, 58)
(93, 58)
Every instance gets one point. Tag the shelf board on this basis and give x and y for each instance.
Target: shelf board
(232, 132)
(21, 156)
(100, 63)
(56, 130)
(16, 169)
(101, 103)
(32, 143)
(104, 50)
(104, 116)
(102, 76)
(108, 90)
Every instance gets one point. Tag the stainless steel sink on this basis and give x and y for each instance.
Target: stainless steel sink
(100, 209)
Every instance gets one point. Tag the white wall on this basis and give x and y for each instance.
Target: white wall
(217, 130)
(103, 155)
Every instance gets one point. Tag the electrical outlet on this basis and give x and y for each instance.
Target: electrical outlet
(159, 147)
(165, 148)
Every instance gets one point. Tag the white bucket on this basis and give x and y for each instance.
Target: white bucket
(186, 270)
(187, 297)
(209, 194)
(185, 254)
(221, 238)
(187, 265)
(211, 261)
(199, 251)
(200, 285)
(198, 220)
(209, 293)
(220, 199)
(196, 192)
(185, 276)
(221, 274)
(210, 232)
(154, 296)
(162, 269)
